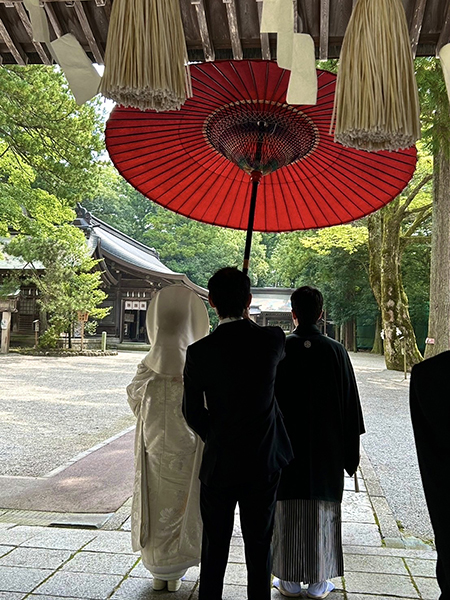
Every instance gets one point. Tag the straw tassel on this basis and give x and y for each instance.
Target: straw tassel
(146, 56)
(376, 103)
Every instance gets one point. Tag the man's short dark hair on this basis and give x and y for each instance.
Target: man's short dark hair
(307, 303)
(229, 290)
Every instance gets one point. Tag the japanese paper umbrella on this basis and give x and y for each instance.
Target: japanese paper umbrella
(206, 160)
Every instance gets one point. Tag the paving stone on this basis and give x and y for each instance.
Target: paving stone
(236, 554)
(377, 583)
(361, 534)
(349, 484)
(192, 574)
(45, 597)
(421, 567)
(142, 589)
(16, 579)
(11, 596)
(231, 592)
(236, 574)
(39, 558)
(429, 554)
(369, 597)
(17, 535)
(60, 539)
(5, 549)
(103, 563)
(237, 540)
(127, 525)
(428, 587)
(374, 564)
(140, 571)
(79, 585)
(111, 541)
(357, 508)
(386, 520)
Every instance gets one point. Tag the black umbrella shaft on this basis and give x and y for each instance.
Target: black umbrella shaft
(256, 178)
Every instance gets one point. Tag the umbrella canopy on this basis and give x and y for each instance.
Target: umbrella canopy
(197, 161)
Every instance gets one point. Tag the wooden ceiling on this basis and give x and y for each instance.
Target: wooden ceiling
(215, 29)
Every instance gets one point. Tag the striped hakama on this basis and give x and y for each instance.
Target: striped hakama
(307, 541)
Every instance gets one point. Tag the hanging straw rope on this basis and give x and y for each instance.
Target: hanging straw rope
(376, 103)
(146, 57)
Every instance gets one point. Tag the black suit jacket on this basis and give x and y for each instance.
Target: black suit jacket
(430, 415)
(229, 401)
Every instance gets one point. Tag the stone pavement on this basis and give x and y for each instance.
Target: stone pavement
(92, 559)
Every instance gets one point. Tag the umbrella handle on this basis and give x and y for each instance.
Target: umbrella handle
(256, 178)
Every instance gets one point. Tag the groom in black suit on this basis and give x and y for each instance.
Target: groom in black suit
(229, 401)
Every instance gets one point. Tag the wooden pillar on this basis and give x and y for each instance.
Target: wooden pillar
(6, 331)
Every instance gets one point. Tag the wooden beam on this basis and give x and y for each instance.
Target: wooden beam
(15, 49)
(444, 38)
(416, 25)
(28, 28)
(324, 29)
(89, 34)
(107, 9)
(53, 20)
(233, 27)
(264, 37)
(208, 49)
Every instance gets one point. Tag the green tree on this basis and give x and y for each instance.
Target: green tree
(436, 134)
(48, 148)
(184, 245)
(334, 259)
(70, 282)
(391, 230)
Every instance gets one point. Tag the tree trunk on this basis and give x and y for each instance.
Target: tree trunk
(439, 319)
(377, 347)
(386, 282)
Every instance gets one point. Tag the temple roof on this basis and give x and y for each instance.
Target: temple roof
(106, 242)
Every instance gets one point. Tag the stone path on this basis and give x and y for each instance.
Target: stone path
(50, 563)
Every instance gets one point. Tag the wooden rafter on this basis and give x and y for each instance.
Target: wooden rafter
(53, 20)
(15, 49)
(416, 24)
(28, 28)
(233, 26)
(96, 50)
(324, 29)
(208, 49)
(265, 46)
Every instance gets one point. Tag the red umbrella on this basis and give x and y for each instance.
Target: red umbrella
(200, 160)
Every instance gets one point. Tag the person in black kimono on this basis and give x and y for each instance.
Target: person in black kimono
(317, 394)
(429, 394)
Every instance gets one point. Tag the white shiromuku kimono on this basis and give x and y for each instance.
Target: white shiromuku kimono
(166, 525)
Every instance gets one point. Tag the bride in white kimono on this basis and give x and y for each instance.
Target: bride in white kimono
(166, 525)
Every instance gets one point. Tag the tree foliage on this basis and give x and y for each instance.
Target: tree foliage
(69, 282)
(335, 260)
(48, 147)
(184, 245)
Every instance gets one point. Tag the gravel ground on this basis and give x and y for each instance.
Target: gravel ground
(51, 409)
(389, 441)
